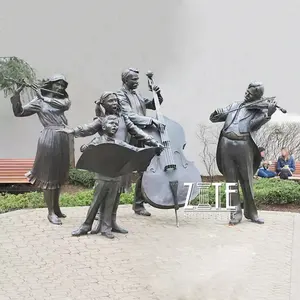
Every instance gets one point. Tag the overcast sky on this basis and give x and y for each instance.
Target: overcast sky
(203, 54)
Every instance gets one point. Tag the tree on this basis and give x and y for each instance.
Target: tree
(13, 70)
(272, 136)
(208, 136)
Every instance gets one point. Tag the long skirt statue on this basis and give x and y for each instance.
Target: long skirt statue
(51, 165)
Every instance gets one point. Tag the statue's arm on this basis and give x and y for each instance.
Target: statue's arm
(63, 104)
(138, 133)
(88, 129)
(126, 145)
(141, 121)
(150, 103)
(19, 110)
(220, 114)
(259, 120)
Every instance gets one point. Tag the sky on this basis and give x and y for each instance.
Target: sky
(203, 54)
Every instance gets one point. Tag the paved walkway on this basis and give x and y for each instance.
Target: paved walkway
(204, 259)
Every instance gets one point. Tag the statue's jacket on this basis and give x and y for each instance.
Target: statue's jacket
(249, 121)
(135, 106)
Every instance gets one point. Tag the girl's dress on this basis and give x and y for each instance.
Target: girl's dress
(52, 160)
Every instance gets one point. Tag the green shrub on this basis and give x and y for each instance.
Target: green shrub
(9, 202)
(276, 191)
(81, 177)
(266, 192)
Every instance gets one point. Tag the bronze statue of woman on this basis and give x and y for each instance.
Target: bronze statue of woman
(51, 165)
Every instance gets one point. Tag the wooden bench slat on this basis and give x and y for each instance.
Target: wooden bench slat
(14, 170)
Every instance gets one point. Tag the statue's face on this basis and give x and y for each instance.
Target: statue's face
(254, 93)
(59, 86)
(132, 81)
(111, 104)
(111, 127)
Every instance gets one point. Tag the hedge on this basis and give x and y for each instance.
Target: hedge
(9, 202)
(267, 192)
(81, 177)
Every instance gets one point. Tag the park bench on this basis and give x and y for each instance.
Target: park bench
(13, 171)
(296, 174)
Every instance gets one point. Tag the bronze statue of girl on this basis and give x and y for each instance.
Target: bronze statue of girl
(51, 165)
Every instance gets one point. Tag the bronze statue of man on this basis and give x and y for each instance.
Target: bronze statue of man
(238, 156)
(134, 106)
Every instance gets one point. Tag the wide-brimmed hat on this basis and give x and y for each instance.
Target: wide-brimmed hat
(55, 78)
(58, 77)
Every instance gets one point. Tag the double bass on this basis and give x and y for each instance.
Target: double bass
(163, 183)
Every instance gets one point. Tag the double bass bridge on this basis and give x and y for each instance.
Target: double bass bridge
(168, 167)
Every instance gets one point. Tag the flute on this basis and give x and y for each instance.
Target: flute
(34, 87)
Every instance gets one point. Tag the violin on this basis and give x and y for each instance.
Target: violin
(260, 105)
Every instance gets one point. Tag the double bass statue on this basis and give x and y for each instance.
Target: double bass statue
(163, 181)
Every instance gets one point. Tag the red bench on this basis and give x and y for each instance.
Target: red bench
(12, 171)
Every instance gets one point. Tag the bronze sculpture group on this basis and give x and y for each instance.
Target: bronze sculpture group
(121, 124)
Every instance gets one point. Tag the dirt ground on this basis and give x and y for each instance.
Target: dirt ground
(284, 207)
(72, 189)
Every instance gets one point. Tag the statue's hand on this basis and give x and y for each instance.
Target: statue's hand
(160, 126)
(20, 86)
(159, 149)
(66, 130)
(271, 108)
(83, 148)
(156, 89)
(218, 111)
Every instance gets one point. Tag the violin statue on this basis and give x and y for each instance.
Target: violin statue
(163, 181)
(238, 157)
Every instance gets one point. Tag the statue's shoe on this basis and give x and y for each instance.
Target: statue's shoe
(234, 221)
(81, 231)
(109, 235)
(53, 218)
(258, 221)
(118, 229)
(142, 212)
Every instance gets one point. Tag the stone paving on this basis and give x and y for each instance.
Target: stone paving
(203, 259)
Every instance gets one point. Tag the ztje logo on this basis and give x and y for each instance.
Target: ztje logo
(203, 195)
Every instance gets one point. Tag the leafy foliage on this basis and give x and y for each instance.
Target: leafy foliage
(266, 191)
(14, 69)
(9, 202)
(81, 177)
